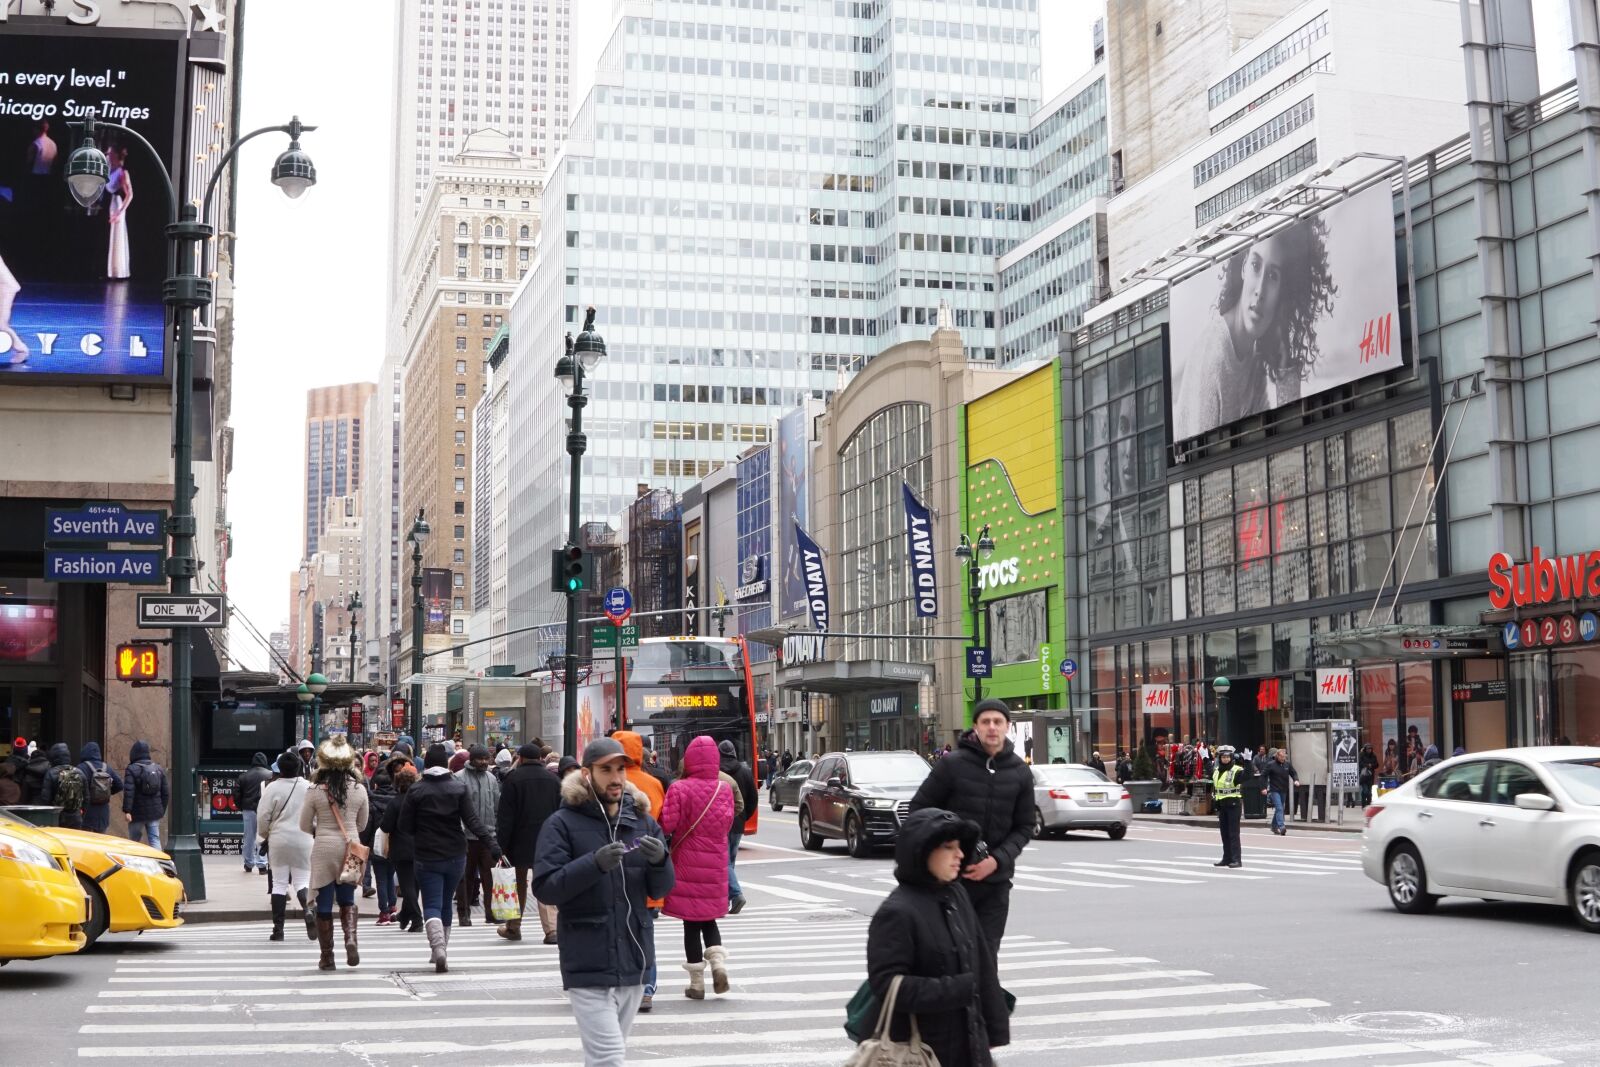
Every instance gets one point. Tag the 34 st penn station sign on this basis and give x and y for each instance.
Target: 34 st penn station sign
(197, 14)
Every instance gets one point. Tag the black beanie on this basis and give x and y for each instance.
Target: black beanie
(478, 752)
(528, 752)
(436, 757)
(990, 704)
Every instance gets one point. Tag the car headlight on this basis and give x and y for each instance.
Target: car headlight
(142, 864)
(22, 852)
(879, 803)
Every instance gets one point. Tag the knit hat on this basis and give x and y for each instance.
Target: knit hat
(436, 757)
(336, 754)
(503, 757)
(990, 704)
(528, 753)
(478, 752)
(726, 748)
(19, 747)
(289, 765)
(458, 760)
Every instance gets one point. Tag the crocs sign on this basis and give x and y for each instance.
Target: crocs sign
(1543, 579)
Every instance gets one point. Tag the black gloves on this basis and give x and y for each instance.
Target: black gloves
(654, 851)
(608, 857)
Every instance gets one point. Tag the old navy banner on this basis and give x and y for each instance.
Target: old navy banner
(919, 553)
(814, 578)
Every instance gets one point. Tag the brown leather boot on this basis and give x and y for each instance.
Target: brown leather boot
(511, 931)
(325, 942)
(348, 917)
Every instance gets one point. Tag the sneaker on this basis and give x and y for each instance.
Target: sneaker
(383, 919)
(369, 891)
(1236, 863)
(1220, 863)
(644, 1005)
(736, 905)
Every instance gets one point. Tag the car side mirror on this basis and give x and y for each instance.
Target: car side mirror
(836, 782)
(1535, 802)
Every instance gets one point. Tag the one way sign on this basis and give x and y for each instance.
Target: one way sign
(165, 610)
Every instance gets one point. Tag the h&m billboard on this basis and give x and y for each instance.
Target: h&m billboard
(80, 288)
(1309, 308)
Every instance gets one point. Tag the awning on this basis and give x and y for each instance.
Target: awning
(838, 677)
(1397, 641)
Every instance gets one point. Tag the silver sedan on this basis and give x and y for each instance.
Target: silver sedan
(785, 788)
(1068, 796)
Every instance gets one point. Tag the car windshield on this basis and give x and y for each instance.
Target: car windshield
(1065, 774)
(1579, 777)
(896, 770)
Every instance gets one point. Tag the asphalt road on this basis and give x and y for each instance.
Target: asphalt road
(1136, 952)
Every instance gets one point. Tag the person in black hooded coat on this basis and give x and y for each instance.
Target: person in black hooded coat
(927, 932)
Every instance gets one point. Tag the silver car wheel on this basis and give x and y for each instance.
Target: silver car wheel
(1586, 894)
(1404, 878)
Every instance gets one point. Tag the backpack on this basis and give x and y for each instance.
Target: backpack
(100, 785)
(70, 789)
(150, 781)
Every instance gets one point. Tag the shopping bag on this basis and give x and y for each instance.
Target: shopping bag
(503, 905)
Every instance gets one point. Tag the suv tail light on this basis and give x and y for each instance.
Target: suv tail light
(1061, 794)
(1126, 795)
(1372, 812)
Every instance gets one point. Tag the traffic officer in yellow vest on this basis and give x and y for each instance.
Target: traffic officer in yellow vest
(1229, 798)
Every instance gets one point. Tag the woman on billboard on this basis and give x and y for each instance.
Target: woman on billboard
(119, 190)
(1264, 331)
(9, 288)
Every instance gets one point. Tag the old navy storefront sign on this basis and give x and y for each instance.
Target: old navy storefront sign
(920, 554)
(1543, 579)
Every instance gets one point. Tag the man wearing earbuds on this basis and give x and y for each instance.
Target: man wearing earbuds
(600, 858)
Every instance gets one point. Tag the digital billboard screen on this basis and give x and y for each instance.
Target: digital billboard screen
(436, 595)
(80, 288)
(1309, 308)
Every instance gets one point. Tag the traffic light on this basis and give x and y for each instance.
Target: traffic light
(572, 570)
(138, 662)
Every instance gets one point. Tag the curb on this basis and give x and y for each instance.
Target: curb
(1211, 823)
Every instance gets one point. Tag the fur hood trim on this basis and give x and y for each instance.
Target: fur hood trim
(575, 793)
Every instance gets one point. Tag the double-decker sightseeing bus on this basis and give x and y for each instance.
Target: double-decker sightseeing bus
(679, 688)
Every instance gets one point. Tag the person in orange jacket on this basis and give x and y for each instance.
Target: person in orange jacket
(650, 786)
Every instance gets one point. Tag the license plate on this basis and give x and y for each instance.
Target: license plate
(1097, 798)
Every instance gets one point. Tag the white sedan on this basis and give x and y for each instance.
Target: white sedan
(1518, 824)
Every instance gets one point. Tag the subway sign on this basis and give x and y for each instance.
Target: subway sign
(1543, 579)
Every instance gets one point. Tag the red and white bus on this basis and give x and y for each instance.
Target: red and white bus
(680, 688)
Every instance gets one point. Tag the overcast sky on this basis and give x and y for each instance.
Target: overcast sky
(310, 276)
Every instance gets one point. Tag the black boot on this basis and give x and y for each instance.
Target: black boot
(280, 908)
(464, 914)
(304, 896)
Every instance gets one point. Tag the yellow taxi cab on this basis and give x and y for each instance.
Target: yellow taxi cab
(44, 908)
(130, 886)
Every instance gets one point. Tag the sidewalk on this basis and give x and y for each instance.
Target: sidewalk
(1353, 823)
(231, 894)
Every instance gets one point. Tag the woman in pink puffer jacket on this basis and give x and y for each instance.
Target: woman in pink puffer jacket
(697, 816)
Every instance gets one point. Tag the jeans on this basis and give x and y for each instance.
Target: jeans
(327, 893)
(251, 859)
(604, 1017)
(1278, 808)
(733, 854)
(148, 832)
(383, 876)
(437, 879)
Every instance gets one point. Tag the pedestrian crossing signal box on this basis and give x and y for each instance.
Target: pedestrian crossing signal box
(138, 662)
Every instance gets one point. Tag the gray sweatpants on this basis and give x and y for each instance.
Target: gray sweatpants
(604, 1017)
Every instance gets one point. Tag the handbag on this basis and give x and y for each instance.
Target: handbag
(503, 906)
(380, 844)
(355, 853)
(879, 1050)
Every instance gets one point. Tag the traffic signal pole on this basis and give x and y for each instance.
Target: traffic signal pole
(576, 446)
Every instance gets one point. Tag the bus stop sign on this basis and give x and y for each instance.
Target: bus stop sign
(618, 605)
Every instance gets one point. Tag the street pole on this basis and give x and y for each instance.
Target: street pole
(580, 357)
(185, 293)
(973, 595)
(416, 629)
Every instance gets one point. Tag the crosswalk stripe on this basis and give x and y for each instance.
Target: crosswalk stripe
(1173, 867)
(862, 890)
(1069, 881)
(1263, 861)
(1093, 869)
(788, 894)
(1252, 863)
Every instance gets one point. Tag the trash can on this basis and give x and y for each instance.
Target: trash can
(1255, 804)
(36, 814)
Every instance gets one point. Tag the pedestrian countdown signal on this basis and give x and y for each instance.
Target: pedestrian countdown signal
(138, 662)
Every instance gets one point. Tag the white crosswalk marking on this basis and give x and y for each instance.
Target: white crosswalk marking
(221, 992)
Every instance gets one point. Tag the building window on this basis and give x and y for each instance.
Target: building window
(461, 344)
(461, 485)
(461, 366)
(457, 627)
(460, 603)
(461, 461)
(461, 531)
(461, 389)
(460, 555)
(461, 437)
(461, 507)
(461, 414)
(458, 579)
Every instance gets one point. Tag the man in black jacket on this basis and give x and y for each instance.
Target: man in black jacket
(983, 780)
(1281, 781)
(730, 764)
(600, 860)
(247, 791)
(529, 795)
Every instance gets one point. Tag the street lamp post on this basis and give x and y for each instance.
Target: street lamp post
(310, 692)
(418, 537)
(185, 293)
(974, 557)
(579, 360)
(354, 605)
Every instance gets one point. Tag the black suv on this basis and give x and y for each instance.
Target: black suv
(859, 796)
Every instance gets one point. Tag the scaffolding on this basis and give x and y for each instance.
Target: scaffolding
(655, 560)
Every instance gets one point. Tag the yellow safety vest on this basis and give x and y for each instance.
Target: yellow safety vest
(1225, 782)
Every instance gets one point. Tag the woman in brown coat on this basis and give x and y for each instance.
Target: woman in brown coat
(335, 813)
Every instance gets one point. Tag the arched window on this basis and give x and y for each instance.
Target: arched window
(523, 233)
(461, 229)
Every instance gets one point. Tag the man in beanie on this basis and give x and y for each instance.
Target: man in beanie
(529, 795)
(600, 860)
(985, 781)
(483, 791)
